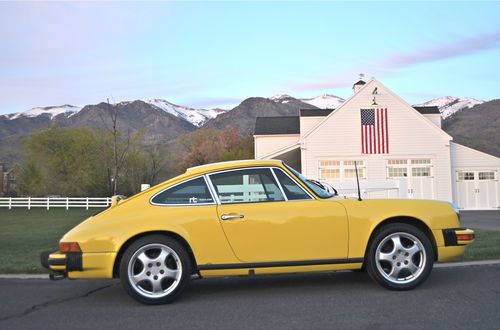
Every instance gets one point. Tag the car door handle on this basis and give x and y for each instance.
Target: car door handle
(231, 216)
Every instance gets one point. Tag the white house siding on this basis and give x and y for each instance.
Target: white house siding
(268, 144)
(306, 123)
(475, 194)
(410, 136)
(435, 118)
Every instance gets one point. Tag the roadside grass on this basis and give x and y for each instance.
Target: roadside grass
(24, 234)
(486, 246)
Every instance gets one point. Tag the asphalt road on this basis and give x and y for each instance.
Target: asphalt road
(461, 297)
(489, 220)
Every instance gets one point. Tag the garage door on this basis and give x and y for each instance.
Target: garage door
(418, 173)
(477, 189)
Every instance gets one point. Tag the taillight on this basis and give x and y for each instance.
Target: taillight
(66, 247)
(465, 237)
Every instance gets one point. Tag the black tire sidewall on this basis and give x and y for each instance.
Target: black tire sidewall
(382, 233)
(159, 239)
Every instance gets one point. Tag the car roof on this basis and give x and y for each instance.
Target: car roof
(232, 164)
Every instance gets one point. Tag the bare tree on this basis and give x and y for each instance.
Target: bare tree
(120, 149)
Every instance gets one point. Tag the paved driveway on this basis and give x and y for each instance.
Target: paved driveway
(463, 297)
(489, 220)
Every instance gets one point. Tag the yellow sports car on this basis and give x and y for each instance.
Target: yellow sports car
(250, 218)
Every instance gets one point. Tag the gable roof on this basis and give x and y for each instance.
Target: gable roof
(277, 125)
(370, 83)
(315, 112)
(291, 124)
(428, 110)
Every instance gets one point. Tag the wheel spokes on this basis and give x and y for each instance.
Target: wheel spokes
(155, 270)
(400, 257)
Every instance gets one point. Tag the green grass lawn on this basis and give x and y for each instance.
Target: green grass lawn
(25, 233)
(485, 246)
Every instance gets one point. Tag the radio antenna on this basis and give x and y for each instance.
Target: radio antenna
(357, 179)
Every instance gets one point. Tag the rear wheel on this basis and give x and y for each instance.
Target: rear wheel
(400, 257)
(155, 269)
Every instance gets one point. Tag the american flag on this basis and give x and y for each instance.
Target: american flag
(374, 133)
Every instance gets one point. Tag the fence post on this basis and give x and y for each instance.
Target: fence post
(48, 199)
(29, 203)
(87, 203)
(67, 203)
(10, 203)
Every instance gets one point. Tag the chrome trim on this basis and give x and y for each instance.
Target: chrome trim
(231, 216)
(187, 204)
(279, 184)
(211, 187)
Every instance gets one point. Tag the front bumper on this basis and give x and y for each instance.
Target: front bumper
(451, 243)
(458, 236)
(61, 263)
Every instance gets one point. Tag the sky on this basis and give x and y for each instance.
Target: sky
(216, 54)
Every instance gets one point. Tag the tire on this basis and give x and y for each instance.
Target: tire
(399, 257)
(155, 269)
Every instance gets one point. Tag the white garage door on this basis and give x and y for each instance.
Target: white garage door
(477, 189)
(418, 172)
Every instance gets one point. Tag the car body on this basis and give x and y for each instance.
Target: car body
(250, 218)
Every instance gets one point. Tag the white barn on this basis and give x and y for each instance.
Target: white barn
(401, 151)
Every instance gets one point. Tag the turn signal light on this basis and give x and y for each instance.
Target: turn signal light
(66, 247)
(465, 237)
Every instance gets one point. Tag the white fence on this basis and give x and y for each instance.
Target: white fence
(372, 189)
(53, 202)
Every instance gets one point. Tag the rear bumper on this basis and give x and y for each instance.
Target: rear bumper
(61, 263)
(78, 264)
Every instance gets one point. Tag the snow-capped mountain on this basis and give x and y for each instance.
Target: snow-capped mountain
(325, 101)
(448, 105)
(196, 117)
(51, 111)
(281, 98)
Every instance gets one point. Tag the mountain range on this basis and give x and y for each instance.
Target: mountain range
(164, 120)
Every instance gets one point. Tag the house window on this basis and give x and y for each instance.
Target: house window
(329, 174)
(397, 172)
(466, 176)
(341, 170)
(401, 168)
(421, 171)
(420, 161)
(487, 175)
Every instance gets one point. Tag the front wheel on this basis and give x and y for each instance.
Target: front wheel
(400, 257)
(155, 269)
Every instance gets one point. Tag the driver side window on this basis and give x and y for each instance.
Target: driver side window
(246, 186)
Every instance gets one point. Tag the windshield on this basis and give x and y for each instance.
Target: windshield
(318, 190)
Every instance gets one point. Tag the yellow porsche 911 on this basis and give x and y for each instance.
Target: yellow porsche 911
(251, 218)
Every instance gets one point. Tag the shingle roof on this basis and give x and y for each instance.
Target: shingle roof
(427, 110)
(315, 112)
(291, 124)
(277, 125)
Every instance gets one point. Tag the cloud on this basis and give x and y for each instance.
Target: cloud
(390, 64)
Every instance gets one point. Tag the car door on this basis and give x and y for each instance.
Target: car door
(265, 221)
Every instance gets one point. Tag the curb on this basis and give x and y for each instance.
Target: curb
(443, 265)
(468, 263)
(24, 276)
